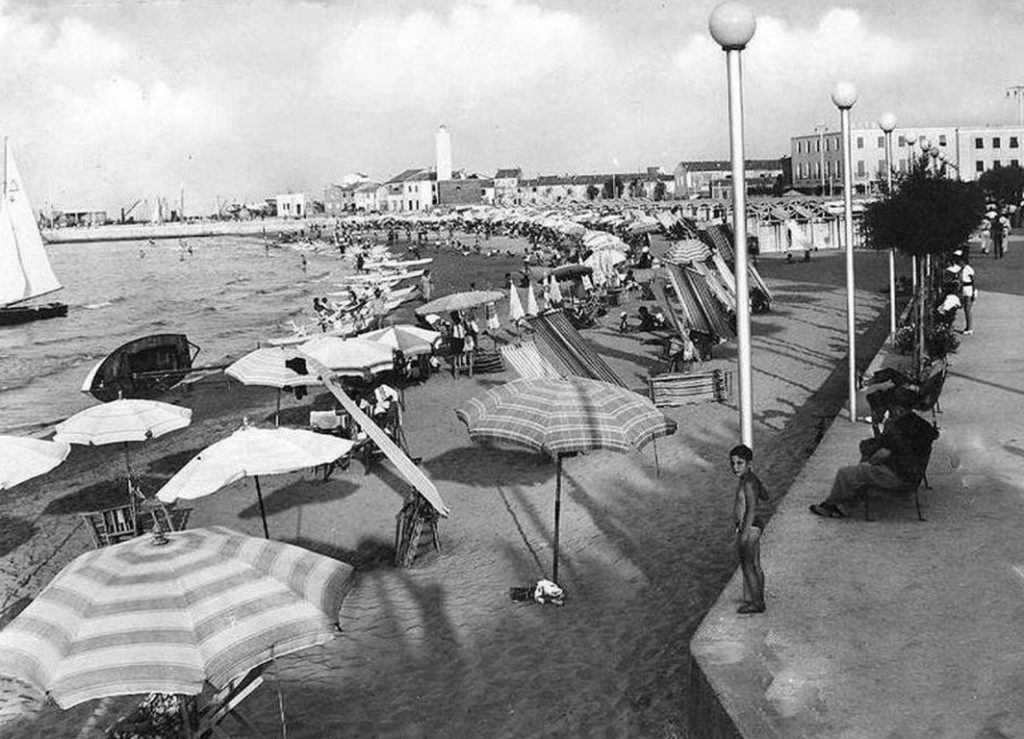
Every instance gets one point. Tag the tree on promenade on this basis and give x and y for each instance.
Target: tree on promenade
(1004, 184)
(925, 214)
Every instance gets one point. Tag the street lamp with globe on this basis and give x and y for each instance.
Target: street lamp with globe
(887, 122)
(844, 96)
(732, 25)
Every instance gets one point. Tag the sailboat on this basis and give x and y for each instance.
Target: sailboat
(25, 271)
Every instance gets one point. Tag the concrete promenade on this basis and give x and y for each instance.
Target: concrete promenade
(894, 627)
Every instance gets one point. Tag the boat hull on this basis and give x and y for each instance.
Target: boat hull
(142, 368)
(12, 315)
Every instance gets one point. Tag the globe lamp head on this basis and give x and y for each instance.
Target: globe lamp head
(887, 122)
(845, 95)
(732, 25)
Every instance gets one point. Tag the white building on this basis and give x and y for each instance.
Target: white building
(292, 205)
(817, 158)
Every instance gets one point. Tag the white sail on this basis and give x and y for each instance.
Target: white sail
(25, 270)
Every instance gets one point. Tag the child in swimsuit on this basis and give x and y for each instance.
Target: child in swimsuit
(749, 526)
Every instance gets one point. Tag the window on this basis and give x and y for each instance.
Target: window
(860, 167)
(995, 142)
(903, 165)
(881, 142)
(817, 145)
(903, 141)
(860, 142)
(1014, 144)
(817, 169)
(979, 144)
(979, 166)
(996, 164)
(942, 139)
(881, 167)
(1014, 163)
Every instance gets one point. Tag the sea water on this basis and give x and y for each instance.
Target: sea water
(228, 295)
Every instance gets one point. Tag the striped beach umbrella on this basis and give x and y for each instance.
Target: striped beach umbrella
(22, 458)
(166, 614)
(561, 417)
(687, 250)
(270, 367)
(460, 301)
(555, 292)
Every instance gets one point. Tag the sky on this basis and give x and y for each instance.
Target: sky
(106, 102)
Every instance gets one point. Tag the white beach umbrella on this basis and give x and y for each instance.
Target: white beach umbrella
(123, 420)
(250, 452)
(22, 458)
(515, 305)
(410, 340)
(354, 357)
(531, 301)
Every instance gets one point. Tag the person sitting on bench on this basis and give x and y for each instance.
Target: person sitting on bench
(647, 320)
(892, 461)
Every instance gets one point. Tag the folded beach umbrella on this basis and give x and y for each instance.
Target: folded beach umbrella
(410, 340)
(251, 452)
(531, 302)
(555, 294)
(515, 306)
(167, 614)
(564, 416)
(22, 458)
(353, 357)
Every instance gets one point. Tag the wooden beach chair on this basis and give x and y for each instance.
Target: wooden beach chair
(112, 525)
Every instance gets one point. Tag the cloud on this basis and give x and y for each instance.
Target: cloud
(790, 69)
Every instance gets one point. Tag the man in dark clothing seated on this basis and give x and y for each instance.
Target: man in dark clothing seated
(892, 461)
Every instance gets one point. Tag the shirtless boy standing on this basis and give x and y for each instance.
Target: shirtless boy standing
(748, 528)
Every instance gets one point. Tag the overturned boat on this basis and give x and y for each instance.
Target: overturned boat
(142, 368)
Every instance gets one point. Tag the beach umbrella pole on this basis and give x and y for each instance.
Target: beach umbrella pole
(263, 512)
(277, 410)
(558, 512)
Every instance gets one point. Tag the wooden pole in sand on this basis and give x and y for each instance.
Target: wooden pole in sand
(263, 512)
(558, 513)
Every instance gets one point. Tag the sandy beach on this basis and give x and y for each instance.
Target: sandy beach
(439, 649)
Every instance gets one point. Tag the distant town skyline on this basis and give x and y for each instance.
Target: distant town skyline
(112, 101)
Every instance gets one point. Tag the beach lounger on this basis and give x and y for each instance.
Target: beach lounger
(527, 361)
(225, 702)
(675, 389)
(565, 342)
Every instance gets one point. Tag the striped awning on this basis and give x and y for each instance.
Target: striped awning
(564, 415)
(143, 617)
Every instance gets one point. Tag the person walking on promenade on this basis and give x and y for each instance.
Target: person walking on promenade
(891, 460)
(967, 289)
(997, 235)
(749, 526)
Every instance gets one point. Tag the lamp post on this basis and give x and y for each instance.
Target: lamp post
(911, 139)
(844, 97)
(887, 123)
(732, 26)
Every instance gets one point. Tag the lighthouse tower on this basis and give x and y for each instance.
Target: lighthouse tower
(443, 146)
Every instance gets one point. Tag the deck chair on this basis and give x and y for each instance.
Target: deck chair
(225, 702)
(112, 525)
(335, 423)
